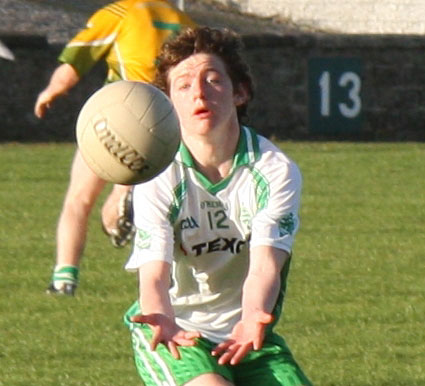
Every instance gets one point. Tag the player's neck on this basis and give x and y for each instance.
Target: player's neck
(213, 157)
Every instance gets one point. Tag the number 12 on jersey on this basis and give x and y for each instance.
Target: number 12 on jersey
(217, 219)
(335, 94)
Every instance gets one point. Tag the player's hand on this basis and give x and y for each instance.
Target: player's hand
(166, 331)
(110, 211)
(43, 103)
(247, 335)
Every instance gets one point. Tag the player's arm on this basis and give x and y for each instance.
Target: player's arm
(157, 311)
(262, 284)
(63, 79)
(273, 231)
(94, 42)
(154, 282)
(260, 292)
(83, 51)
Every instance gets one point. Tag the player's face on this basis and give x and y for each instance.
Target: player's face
(203, 95)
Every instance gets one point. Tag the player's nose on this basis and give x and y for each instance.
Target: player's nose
(198, 88)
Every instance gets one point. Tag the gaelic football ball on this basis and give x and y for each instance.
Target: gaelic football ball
(128, 132)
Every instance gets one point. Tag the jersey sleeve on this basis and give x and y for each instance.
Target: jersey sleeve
(95, 40)
(154, 239)
(277, 223)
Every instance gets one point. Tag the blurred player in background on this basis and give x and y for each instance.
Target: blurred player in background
(214, 232)
(126, 34)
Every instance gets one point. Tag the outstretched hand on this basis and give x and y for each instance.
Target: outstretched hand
(42, 104)
(247, 335)
(166, 331)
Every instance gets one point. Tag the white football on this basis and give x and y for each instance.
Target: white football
(128, 132)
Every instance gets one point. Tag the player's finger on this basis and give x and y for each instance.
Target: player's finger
(185, 342)
(148, 319)
(156, 338)
(190, 336)
(186, 338)
(39, 111)
(257, 343)
(173, 350)
(240, 353)
(222, 347)
(137, 318)
(228, 355)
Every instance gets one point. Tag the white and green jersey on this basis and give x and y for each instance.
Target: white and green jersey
(206, 230)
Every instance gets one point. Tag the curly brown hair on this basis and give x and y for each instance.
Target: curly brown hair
(223, 43)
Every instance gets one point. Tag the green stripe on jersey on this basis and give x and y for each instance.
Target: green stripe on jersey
(262, 189)
(167, 26)
(248, 150)
(179, 194)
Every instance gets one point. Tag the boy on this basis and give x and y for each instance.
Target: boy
(214, 232)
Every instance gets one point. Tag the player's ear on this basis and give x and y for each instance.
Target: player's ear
(241, 95)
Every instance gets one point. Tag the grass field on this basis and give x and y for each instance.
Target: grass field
(355, 307)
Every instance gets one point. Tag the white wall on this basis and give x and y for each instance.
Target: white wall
(344, 16)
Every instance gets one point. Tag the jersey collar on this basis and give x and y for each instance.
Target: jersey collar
(247, 153)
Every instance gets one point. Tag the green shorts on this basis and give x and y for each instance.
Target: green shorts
(273, 365)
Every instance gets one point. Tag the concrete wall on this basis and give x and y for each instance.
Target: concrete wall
(23, 79)
(392, 79)
(345, 16)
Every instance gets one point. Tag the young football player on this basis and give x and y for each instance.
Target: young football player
(214, 232)
(127, 34)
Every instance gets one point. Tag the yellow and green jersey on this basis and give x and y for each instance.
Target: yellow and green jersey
(128, 34)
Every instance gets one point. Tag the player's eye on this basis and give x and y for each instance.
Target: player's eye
(213, 80)
(181, 86)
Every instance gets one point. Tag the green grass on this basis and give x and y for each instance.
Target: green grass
(355, 308)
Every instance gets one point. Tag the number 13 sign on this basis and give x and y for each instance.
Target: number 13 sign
(335, 94)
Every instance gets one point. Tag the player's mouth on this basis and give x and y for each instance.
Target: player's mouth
(202, 112)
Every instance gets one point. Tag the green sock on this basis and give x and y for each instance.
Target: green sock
(65, 274)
